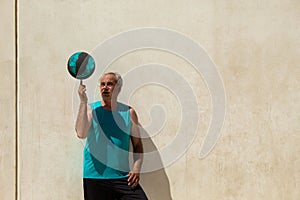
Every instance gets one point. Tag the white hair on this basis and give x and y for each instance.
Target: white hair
(118, 78)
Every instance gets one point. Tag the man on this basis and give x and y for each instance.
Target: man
(109, 126)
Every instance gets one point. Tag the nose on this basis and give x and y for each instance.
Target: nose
(103, 85)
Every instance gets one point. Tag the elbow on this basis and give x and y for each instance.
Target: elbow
(80, 134)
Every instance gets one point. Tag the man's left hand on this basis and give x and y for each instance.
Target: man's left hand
(133, 179)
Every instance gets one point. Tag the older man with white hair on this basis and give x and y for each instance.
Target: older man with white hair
(108, 127)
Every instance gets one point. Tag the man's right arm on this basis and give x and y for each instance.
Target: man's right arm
(84, 117)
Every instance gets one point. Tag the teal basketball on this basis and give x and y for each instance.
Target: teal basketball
(81, 65)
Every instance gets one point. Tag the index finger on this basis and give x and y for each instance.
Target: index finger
(130, 177)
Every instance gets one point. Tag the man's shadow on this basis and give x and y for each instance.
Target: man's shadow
(154, 181)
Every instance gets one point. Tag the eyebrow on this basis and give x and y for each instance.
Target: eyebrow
(109, 82)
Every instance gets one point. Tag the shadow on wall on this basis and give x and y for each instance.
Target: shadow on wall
(155, 184)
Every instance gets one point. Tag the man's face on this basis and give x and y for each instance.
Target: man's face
(108, 86)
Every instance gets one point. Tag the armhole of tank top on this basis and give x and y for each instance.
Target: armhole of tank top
(129, 118)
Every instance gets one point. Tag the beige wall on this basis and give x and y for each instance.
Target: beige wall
(255, 46)
(7, 99)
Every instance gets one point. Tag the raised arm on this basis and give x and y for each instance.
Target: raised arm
(134, 175)
(84, 116)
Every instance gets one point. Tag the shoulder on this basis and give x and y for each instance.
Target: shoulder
(133, 115)
(132, 111)
(95, 104)
(128, 108)
(124, 107)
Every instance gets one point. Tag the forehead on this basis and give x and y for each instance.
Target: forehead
(108, 78)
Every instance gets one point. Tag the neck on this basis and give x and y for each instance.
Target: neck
(110, 104)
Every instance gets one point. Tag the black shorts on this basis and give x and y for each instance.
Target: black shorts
(111, 189)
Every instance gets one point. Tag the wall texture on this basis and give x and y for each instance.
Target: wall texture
(7, 99)
(255, 46)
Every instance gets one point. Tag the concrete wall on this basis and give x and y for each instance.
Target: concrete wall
(255, 46)
(7, 99)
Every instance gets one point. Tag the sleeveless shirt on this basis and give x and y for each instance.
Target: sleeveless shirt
(107, 144)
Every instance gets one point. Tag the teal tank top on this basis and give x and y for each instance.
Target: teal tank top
(107, 144)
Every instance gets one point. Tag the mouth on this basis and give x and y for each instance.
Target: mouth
(105, 93)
